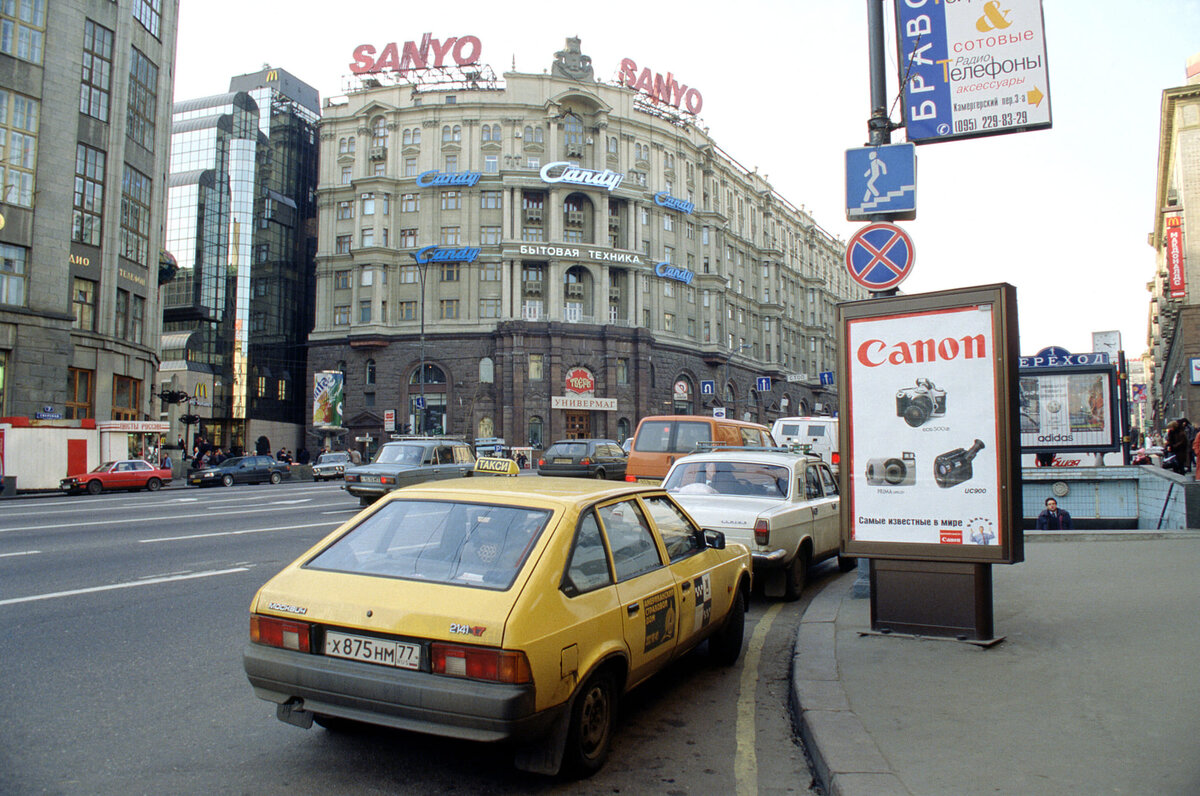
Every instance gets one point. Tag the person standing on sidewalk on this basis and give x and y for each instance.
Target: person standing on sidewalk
(1177, 452)
(1053, 518)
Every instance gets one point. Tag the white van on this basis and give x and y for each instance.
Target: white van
(819, 433)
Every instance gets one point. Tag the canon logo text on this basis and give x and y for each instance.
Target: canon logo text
(874, 353)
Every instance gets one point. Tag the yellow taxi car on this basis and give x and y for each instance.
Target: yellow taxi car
(496, 609)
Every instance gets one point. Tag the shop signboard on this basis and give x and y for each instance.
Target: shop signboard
(928, 383)
(327, 398)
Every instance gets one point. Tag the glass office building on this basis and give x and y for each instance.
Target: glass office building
(236, 319)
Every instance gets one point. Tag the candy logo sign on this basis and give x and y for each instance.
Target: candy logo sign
(580, 381)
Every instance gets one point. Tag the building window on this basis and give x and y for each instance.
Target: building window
(143, 99)
(450, 272)
(83, 301)
(489, 200)
(410, 167)
(489, 308)
(668, 322)
(22, 27)
(410, 202)
(341, 315)
(451, 200)
(406, 311)
(668, 222)
(535, 431)
(491, 164)
(533, 163)
(489, 236)
(346, 146)
(79, 393)
(342, 244)
(341, 280)
(409, 275)
(149, 13)
(451, 236)
(535, 367)
(347, 173)
(448, 311)
(345, 210)
(366, 276)
(368, 237)
(364, 311)
(121, 322)
(622, 370)
(96, 82)
(18, 134)
(533, 234)
(126, 398)
(135, 216)
(612, 145)
(89, 194)
(12, 274)
(451, 163)
(668, 288)
(137, 315)
(408, 238)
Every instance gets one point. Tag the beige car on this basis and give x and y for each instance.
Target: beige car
(783, 506)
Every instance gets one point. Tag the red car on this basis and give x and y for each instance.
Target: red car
(124, 474)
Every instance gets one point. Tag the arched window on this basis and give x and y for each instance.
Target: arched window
(487, 428)
(433, 375)
(408, 136)
(612, 145)
(379, 134)
(350, 144)
(535, 432)
(622, 429)
(485, 133)
(495, 132)
(572, 131)
(416, 136)
(537, 135)
(528, 134)
(369, 377)
(487, 373)
(445, 134)
(457, 132)
(342, 150)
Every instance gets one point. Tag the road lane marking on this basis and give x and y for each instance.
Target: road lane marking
(133, 520)
(211, 534)
(745, 763)
(128, 585)
(22, 553)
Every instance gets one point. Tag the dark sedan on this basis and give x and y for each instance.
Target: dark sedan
(409, 460)
(241, 470)
(584, 458)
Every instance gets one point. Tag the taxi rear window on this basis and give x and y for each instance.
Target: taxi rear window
(465, 544)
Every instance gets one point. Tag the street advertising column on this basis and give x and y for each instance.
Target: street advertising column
(930, 467)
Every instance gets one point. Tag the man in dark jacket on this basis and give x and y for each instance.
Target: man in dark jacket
(1053, 518)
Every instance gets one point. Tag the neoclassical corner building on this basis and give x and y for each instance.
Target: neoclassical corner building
(563, 255)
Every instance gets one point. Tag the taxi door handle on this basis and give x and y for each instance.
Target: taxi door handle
(632, 609)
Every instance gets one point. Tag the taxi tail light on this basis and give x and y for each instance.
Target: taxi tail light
(282, 633)
(762, 532)
(480, 663)
(836, 457)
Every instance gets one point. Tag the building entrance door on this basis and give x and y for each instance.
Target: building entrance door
(579, 424)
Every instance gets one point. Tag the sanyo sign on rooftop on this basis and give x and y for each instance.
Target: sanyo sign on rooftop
(972, 68)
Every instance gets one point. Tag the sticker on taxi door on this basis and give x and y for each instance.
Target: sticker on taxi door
(702, 586)
(660, 619)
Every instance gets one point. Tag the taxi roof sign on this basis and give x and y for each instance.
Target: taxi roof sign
(496, 466)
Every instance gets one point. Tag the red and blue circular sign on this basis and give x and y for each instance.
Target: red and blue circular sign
(879, 256)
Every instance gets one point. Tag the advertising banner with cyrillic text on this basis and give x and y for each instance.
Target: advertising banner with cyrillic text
(972, 68)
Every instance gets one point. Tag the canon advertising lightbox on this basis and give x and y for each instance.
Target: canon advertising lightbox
(930, 467)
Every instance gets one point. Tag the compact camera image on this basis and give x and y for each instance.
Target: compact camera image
(954, 467)
(918, 404)
(892, 471)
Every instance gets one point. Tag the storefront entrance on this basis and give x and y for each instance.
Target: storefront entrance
(578, 424)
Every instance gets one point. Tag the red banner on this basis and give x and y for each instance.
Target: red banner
(1175, 258)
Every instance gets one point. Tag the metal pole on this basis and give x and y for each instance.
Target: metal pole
(878, 126)
(421, 408)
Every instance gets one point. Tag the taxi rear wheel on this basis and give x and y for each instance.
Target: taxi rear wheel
(592, 719)
(726, 644)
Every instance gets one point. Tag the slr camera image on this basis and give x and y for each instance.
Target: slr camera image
(918, 404)
(892, 471)
(954, 467)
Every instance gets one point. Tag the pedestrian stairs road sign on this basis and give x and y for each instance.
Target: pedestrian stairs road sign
(881, 181)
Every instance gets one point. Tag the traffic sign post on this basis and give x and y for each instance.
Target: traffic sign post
(881, 181)
(708, 387)
(880, 256)
(763, 384)
(826, 378)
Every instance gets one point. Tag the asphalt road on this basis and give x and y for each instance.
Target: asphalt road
(123, 616)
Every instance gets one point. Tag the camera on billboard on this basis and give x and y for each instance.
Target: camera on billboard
(892, 471)
(917, 404)
(954, 467)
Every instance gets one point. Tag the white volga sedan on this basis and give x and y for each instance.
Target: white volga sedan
(783, 506)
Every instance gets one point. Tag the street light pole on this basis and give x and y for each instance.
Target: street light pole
(725, 384)
(421, 373)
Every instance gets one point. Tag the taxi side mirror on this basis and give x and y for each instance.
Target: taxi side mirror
(714, 539)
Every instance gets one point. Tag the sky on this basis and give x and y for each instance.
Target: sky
(1063, 214)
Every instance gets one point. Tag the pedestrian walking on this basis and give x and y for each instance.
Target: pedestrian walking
(1053, 518)
(1176, 453)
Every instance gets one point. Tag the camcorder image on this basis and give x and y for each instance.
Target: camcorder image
(892, 471)
(917, 404)
(954, 467)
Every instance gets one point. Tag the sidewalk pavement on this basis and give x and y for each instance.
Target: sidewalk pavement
(1095, 688)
